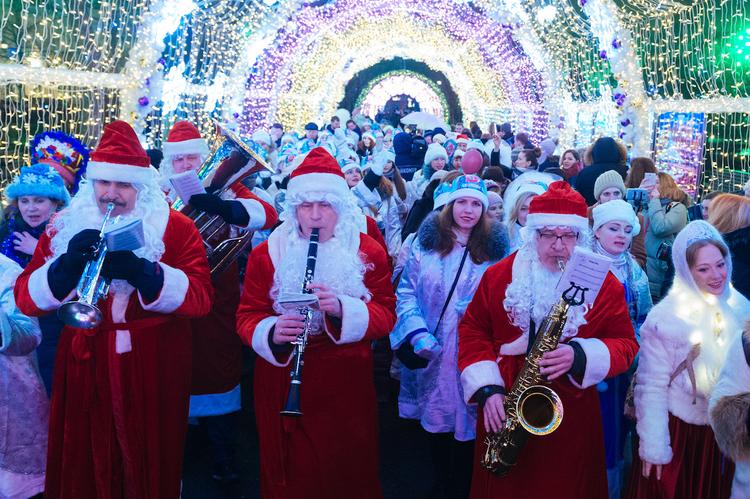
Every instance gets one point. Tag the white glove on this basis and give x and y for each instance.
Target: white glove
(426, 346)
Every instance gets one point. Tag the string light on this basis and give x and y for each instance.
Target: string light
(431, 98)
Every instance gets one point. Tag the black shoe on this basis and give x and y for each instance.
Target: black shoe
(225, 473)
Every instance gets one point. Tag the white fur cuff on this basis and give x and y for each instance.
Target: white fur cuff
(41, 293)
(172, 294)
(354, 320)
(260, 341)
(255, 211)
(597, 362)
(479, 374)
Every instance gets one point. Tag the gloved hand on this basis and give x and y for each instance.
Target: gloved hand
(144, 275)
(426, 345)
(65, 272)
(231, 211)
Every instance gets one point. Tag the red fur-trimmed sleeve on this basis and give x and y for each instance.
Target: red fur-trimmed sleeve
(255, 314)
(477, 353)
(367, 320)
(262, 215)
(187, 289)
(32, 292)
(608, 339)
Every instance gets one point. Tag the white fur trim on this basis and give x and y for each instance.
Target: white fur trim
(354, 320)
(118, 308)
(479, 374)
(519, 346)
(317, 182)
(256, 212)
(469, 193)
(172, 294)
(40, 292)
(116, 172)
(192, 146)
(539, 220)
(598, 361)
(260, 341)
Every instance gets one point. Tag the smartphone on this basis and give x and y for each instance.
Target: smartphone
(650, 178)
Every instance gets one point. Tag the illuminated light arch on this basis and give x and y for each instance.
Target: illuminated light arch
(315, 96)
(483, 48)
(397, 83)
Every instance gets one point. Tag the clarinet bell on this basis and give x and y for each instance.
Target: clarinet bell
(292, 406)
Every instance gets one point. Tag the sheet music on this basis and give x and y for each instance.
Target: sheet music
(187, 184)
(586, 270)
(125, 236)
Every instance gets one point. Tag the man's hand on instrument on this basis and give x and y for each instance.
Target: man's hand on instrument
(327, 300)
(231, 211)
(66, 271)
(288, 327)
(144, 275)
(557, 362)
(494, 413)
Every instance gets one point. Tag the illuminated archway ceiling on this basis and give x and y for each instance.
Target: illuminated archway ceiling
(304, 72)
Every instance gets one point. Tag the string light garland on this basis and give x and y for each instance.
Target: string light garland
(549, 67)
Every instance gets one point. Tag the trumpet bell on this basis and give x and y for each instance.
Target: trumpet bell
(79, 314)
(540, 410)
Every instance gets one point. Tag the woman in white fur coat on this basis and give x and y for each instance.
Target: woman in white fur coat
(730, 411)
(684, 343)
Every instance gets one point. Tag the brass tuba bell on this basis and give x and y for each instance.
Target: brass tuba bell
(230, 161)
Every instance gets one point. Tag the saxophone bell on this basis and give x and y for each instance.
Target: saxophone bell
(540, 410)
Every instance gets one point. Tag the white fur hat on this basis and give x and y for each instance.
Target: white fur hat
(435, 151)
(616, 210)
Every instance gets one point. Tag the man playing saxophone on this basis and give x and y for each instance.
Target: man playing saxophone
(332, 449)
(597, 341)
(120, 390)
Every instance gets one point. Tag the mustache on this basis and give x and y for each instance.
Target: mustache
(115, 202)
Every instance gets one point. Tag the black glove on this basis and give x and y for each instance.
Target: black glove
(65, 272)
(231, 211)
(144, 275)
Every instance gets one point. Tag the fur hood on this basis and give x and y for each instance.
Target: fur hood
(497, 244)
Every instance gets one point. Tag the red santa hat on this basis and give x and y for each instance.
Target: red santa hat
(119, 157)
(462, 139)
(184, 138)
(559, 206)
(318, 172)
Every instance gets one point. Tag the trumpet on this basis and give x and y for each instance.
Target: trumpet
(83, 313)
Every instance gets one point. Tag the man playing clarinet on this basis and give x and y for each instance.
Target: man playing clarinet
(332, 449)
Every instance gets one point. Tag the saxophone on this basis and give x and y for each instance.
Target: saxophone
(530, 407)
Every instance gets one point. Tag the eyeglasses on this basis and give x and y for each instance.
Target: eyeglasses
(551, 237)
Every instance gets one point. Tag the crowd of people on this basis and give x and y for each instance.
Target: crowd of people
(432, 256)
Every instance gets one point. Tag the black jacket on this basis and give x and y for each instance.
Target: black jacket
(739, 246)
(606, 156)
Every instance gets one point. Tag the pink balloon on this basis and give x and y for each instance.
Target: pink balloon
(472, 162)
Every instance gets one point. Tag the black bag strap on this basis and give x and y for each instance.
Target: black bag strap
(453, 288)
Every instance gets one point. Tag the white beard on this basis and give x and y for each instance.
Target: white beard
(336, 267)
(533, 292)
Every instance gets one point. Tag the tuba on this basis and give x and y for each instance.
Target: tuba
(227, 164)
(531, 408)
(83, 313)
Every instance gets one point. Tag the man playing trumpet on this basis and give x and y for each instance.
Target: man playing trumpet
(513, 298)
(120, 391)
(332, 450)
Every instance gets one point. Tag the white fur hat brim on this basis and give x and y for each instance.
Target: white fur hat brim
(616, 211)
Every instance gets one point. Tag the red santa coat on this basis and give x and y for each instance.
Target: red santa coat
(331, 451)
(217, 366)
(568, 463)
(118, 420)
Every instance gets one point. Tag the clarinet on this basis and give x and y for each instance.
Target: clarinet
(292, 406)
